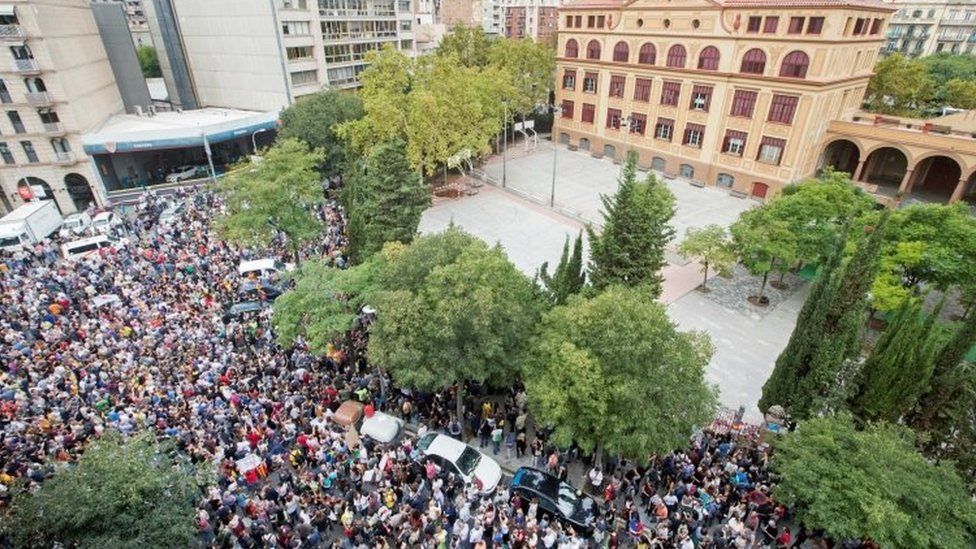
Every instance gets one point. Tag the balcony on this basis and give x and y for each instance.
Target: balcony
(26, 66)
(12, 32)
(53, 127)
(39, 99)
(64, 157)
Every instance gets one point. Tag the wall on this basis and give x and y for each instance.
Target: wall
(122, 55)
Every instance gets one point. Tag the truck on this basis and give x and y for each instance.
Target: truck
(29, 224)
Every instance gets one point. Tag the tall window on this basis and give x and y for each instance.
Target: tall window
(567, 109)
(16, 122)
(708, 59)
(638, 122)
(8, 157)
(770, 25)
(664, 129)
(593, 50)
(613, 119)
(754, 62)
(795, 65)
(647, 54)
(29, 151)
(743, 103)
(617, 86)
(734, 142)
(4, 93)
(642, 89)
(782, 108)
(796, 25)
(754, 24)
(701, 98)
(572, 48)
(694, 135)
(621, 52)
(677, 56)
(771, 150)
(815, 26)
(670, 92)
(588, 114)
(589, 82)
(569, 80)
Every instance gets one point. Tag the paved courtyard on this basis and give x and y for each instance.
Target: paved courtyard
(746, 344)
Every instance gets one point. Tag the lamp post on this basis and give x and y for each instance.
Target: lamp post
(505, 146)
(557, 111)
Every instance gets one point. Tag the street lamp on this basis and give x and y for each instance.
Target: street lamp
(557, 112)
(505, 148)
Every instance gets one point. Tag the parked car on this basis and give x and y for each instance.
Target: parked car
(455, 457)
(379, 427)
(556, 498)
(181, 173)
(84, 247)
(75, 224)
(238, 310)
(105, 222)
(171, 212)
(264, 267)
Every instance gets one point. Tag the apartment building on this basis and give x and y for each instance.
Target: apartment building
(263, 54)
(535, 19)
(732, 93)
(924, 27)
(55, 84)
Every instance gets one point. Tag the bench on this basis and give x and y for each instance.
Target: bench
(738, 194)
(696, 183)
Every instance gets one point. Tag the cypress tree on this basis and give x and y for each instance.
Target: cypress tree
(568, 278)
(900, 365)
(636, 230)
(934, 407)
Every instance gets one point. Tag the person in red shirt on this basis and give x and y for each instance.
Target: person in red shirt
(784, 538)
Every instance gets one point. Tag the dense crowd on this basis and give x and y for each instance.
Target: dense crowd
(166, 358)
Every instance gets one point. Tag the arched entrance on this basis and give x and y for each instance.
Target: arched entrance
(658, 164)
(935, 178)
(842, 155)
(687, 171)
(39, 189)
(610, 152)
(584, 144)
(79, 190)
(564, 138)
(886, 168)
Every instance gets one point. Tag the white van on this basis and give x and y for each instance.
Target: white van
(85, 247)
(264, 267)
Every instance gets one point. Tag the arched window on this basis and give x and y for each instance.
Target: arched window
(754, 61)
(648, 54)
(795, 65)
(572, 48)
(677, 56)
(621, 52)
(708, 59)
(593, 50)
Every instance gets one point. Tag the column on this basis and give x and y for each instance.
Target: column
(859, 171)
(906, 183)
(958, 191)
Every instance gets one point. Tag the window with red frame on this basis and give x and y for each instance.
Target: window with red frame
(743, 103)
(694, 135)
(859, 25)
(708, 59)
(588, 113)
(771, 150)
(664, 129)
(782, 108)
(754, 24)
(677, 56)
(621, 52)
(795, 65)
(593, 50)
(638, 122)
(815, 26)
(578, 22)
(613, 119)
(600, 20)
(572, 48)
(753, 62)
(796, 25)
(734, 142)
(569, 80)
(642, 89)
(701, 98)
(770, 25)
(589, 82)
(568, 107)
(670, 92)
(876, 26)
(647, 54)
(617, 84)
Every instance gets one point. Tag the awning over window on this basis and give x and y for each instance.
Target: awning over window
(6, 9)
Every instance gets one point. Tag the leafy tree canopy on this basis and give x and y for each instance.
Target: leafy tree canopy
(899, 86)
(313, 120)
(148, 61)
(568, 278)
(711, 245)
(470, 45)
(871, 483)
(613, 373)
(530, 66)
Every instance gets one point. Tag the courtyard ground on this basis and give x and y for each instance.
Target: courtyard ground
(747, 340)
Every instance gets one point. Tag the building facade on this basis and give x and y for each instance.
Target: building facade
(261, 55)
(56, 84)
(924, 27)
(737, 94)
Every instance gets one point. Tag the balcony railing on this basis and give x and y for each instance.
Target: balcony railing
(39, 98)
(63, 157)
(12, 32)
(26, 65)
(53, 127)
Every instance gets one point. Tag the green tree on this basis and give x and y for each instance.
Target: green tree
(313, 120)
(944, 67)
(385, 199)
(872, 484)
(148, 61)
(451, 310)
(961, 94)
(386, 85)
(132, 494)
(470, 45)
(613, 374)
(899, 367)
(764, 242)
(569, 277)
(636, 230)
(711, 245)
(935, 411)
(530, 67)
(280, 193)
(899, 86)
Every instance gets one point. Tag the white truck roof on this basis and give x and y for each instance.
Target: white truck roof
(25, 211)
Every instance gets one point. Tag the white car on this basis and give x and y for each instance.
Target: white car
(86, 247)
(453, 456)
(105, 222)
(171, 213)
(380, 427)
(182, 172)
(75, 224)
(264, 267)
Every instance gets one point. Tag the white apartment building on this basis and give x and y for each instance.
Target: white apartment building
(56, 83)
(261, 55)
(924, 27)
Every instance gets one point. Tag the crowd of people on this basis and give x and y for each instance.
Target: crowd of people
(165, 357)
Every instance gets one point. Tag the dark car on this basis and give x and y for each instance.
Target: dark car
(556, 498)
(238, 310)
(259, 291)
